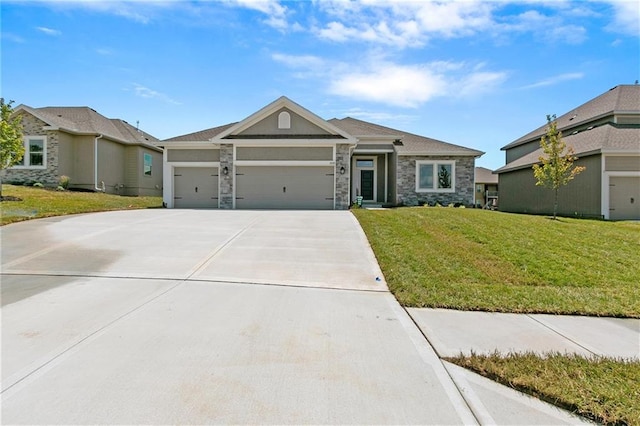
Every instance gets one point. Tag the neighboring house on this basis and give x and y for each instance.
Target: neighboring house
(486, 188)
(95, 152)
(286, 157)
(605, 134)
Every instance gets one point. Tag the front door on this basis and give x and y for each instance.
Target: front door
(366, 184)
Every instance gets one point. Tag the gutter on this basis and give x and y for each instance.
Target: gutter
(95, 165)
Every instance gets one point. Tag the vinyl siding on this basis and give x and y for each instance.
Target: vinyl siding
(285, 153)
(519, 193)
(622, 164)
(193, 155)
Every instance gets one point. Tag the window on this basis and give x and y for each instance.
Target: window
(148, 161)
(284, 120)
(435, 176)
(35, 152)
(364, 163)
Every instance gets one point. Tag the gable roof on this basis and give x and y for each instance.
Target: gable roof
(607, 138)
(622, 98)
(484, 175)
(202, 135)
(86, 121)
(411, 144)
(283, 102)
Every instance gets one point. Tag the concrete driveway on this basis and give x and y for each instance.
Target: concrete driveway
(192, 317)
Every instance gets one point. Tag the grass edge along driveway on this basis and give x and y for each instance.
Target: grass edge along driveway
(471, 259)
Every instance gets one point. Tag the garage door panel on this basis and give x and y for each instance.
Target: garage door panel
(284, 187)
(624, 198)
(195, 187)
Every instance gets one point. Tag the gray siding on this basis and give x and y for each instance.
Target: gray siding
(581, 197)
(285, 153)
(193, 155)
(622, 164)
(381, 178)
(513, 154)
(269, 126)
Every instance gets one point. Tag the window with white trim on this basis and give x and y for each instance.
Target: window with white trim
(148, 162)
(35, 152)
(435, 176)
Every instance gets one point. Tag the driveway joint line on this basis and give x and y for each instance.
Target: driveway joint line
(88, 336)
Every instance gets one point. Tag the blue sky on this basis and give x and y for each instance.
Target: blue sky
(474, 73)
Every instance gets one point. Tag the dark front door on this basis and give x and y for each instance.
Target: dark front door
(366, 184)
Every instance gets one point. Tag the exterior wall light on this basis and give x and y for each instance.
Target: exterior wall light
(342, 170)
(225, 171)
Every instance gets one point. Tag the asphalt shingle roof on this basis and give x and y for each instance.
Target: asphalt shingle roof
(620, 98)
(411, 143)
(203, 135)
(484, 175)
(87, 121)
(607, 137)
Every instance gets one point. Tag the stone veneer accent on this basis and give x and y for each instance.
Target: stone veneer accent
(343, 159)
(32, 126)
(226, 181)
(406, 182)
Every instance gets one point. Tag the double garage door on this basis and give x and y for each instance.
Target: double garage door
(258, 187)
(284, 187)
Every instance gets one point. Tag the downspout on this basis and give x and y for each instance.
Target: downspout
(95, 165)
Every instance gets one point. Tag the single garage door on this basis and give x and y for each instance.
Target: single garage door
(195, 187)
(284, 187)
(624, 198)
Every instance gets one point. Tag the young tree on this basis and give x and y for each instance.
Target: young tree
(556, 168)
(11, 145)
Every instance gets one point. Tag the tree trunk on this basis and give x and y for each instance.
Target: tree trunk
(555, 203)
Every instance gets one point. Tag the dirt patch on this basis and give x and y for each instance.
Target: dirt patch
(10, 198)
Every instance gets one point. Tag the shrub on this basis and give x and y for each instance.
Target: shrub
(64, 181)
(38, 185)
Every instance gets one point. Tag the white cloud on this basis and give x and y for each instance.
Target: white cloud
(626, 17)
(555, 80)
(147, 93)
(275, 11)
(49, 31)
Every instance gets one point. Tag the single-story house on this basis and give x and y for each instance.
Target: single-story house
(95, 152)
(605, 135)
(286, 157)
(486, 188)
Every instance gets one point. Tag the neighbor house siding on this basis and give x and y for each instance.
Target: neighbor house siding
(406, 184)
(111, 165)
(514, 153)
(132, 171)
(65, 155)
(193, 155)
(149, 185)
(622, 164)
(581, 197)
(83, 163)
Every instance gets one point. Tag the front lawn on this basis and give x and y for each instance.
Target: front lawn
(39, 202)
(473, 259)
(601, 389)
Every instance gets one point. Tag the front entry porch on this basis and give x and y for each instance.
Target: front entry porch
(372, 177)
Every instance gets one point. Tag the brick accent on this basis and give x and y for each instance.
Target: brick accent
(226, 181)
(406, 183)
(32, 126)
(343, 159)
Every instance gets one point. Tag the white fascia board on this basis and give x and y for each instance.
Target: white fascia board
(621, 152)
(190, 144)
(475, 154)
(285, 142)
(380, 138)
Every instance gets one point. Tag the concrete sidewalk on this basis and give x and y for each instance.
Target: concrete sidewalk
(453, 332)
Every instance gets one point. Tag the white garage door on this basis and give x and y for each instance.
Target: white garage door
(284, 187)
(624, 198)
(195, 187)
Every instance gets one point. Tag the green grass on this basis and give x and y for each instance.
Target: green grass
(601, 389)
(473, 259)
(38, 203)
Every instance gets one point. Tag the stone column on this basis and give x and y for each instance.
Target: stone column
(226, 181)
(342, 201)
